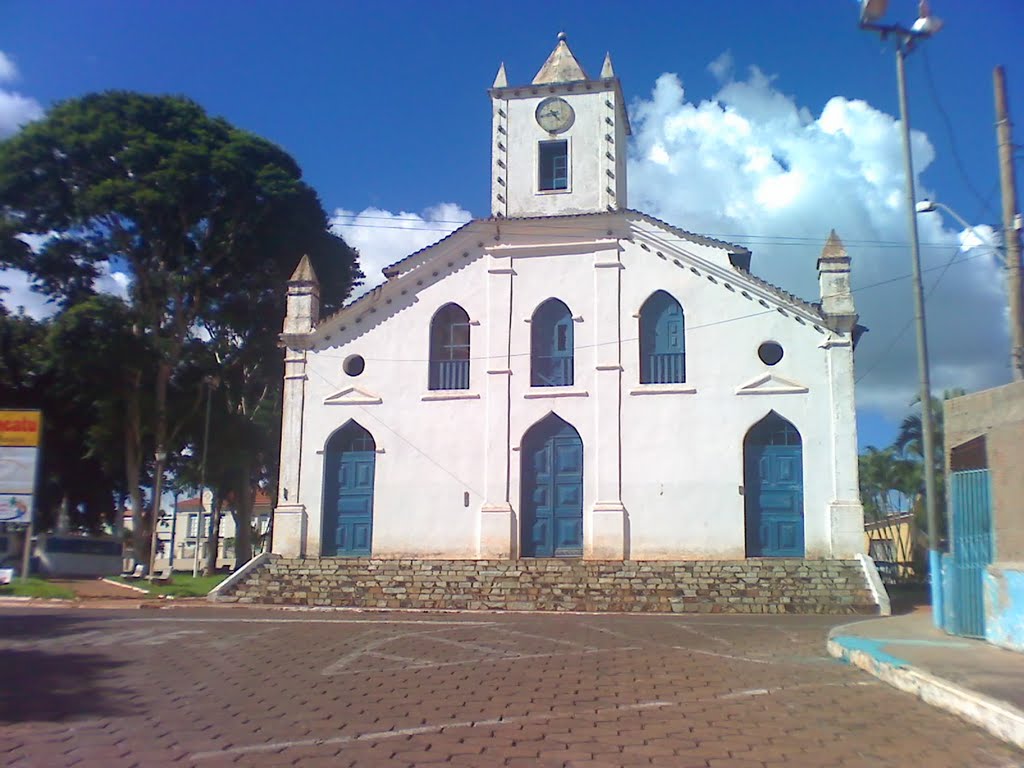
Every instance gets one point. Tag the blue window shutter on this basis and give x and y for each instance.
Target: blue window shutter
(449, 348)
(662, 341)
(551, 350)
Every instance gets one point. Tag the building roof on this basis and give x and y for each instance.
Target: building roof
(739, 256)
(194, 504)
(303, 272)
(561, 66)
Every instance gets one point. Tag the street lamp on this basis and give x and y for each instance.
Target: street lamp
(930, 206)
(871, 14)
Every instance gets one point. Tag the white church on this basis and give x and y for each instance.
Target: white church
(570, 378)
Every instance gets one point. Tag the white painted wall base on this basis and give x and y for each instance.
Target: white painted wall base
(497, 532)
(847, 529)
(290, 530)
(608, 532)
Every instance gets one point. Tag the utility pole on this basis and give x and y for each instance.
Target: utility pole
(1011, 233)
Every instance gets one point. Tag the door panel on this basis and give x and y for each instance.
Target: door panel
(348, 503)
(773, 493)
(552, 491)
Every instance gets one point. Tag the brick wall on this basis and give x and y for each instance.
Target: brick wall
(742, 586)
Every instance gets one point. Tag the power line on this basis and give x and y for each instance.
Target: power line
(688, 328)
(965, 177)
(574, 232)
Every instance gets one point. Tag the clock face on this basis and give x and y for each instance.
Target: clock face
(555, 115)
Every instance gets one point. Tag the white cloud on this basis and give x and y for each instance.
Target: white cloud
(382, 237)
(20, 296)
(752, 166)
(15, 109)
(8, 71)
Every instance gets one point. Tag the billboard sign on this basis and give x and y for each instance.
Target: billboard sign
(20, 436)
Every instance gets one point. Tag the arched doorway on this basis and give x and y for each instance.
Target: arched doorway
(552, 490)
(348, 493)
(773, 492)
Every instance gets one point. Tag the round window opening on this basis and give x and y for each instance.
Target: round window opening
(770, 352)
(354, 365)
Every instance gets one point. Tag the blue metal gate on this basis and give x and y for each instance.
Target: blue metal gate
(972, 552)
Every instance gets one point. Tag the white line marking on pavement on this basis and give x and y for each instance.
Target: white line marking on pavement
(707, 635)
(401, 732)
(556, 640)
(318, 621)
(329, 670)
(724, 655)
(766, 691)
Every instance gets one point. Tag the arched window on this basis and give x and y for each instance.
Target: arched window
(449, 348)
(551, 345)
(662, 341)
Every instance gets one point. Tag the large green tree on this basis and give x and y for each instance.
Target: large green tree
(200, 215)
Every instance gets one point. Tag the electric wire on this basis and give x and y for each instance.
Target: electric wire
(688, 328)
(953, 147)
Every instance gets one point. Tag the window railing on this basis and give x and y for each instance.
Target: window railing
(449, 374)
(664, 368)
(551, 371)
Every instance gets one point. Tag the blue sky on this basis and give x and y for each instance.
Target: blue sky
(384, 105)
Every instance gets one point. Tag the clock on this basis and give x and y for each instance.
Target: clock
(555, 115)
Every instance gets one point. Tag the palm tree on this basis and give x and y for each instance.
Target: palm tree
(910, 443)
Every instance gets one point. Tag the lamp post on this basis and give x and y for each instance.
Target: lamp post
(872, 11)
(930, 206)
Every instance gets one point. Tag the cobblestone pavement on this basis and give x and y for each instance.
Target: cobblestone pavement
(208, 688)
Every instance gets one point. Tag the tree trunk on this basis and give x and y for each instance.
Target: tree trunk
(243, 523)
(133, 473)
(213, 542)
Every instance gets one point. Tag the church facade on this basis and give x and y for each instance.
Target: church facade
(569, 377)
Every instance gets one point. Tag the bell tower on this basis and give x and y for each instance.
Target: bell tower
(558, 145)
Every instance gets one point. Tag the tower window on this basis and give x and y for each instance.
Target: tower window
(553, 157)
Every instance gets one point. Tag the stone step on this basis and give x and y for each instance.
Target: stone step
(704, 586)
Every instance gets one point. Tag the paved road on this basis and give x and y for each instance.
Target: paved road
(215, 687)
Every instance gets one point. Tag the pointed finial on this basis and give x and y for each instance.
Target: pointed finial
(606, 70)
(561, 66)
(833, 247)
(303, 272)
(501, 80)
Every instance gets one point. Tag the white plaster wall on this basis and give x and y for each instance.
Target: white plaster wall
(587, 151)
(681, 462)
(682, 482)
(430, 453)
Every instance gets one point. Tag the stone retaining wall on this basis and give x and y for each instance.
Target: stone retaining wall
(740, 586)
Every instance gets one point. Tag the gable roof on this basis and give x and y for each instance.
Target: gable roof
(739, 256)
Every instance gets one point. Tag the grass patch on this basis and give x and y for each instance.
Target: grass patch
(180, 585)
(33, 587)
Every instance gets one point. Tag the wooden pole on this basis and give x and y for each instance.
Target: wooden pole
(1011, 233)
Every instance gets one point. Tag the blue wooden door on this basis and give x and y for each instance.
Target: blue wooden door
(348, 494)
(774, 489)
(552, 490)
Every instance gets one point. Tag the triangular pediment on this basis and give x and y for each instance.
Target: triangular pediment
(353, 396)
(771, 384)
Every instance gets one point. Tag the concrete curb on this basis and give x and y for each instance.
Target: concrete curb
(125, 586)
(219, 592)
(1001, 719)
